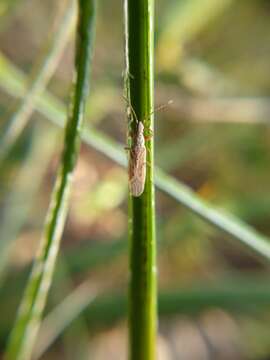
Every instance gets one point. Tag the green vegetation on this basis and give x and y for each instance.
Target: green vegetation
(211, 158)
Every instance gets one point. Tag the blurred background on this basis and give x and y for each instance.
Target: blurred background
(212, 60)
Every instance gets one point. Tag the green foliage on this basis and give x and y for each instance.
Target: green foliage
(212, 144)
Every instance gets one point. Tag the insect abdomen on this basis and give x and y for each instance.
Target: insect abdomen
(137, 172)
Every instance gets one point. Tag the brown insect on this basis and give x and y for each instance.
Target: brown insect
(137, 161)
(137, 154)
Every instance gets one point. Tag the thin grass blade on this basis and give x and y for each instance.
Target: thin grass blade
(27, 324)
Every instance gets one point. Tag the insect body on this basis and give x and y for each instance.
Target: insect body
(137, 161)
(137, 152)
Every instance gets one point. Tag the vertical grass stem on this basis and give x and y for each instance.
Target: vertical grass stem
(139, 82)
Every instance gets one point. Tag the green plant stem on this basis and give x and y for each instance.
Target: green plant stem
(53, 110)
(41, 74)
(28, 321)
(142, 290)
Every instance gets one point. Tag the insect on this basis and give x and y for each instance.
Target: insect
(137, 154)
(137, 161)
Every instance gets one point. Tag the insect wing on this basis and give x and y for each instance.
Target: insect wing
(137, 171)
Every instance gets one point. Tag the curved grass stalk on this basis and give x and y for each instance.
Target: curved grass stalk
(53, 110)
(40, 76)
(139, 35)
(27, 324)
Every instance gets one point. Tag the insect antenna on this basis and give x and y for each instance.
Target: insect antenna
(161, 107)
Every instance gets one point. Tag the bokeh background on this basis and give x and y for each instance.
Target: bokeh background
(212, 60)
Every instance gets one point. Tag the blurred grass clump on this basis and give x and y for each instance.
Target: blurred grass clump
(212, 60)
